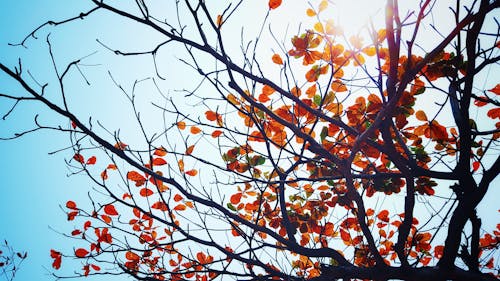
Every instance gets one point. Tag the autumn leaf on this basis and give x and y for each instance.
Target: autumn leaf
(120, 145)
(181, 125)
(110, 210)
(161, 151)
(189, 150)
(92, 160)
(216, 133)
(310, 12)
(159, 161)
(177, 198)
(145, 192)
(81, 253)
(136, 177)
(57, 256)
(132, 256)
(383, 216)
(273, 4)
(192, 172)
(495, 90)
(421, 115)
(160, 206)
(494, 113)
(195, 130)
(71, 205)
(235, 198)
(79, 158)
(180, 207)
(277, 59)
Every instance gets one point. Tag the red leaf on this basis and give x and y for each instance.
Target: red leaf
(235, 198)
(120, 145)
(81, 253)
(273, 4)
(145, 192)
(189, 150)
(212, 116)
(383, 215)
(494, 113)
(216, 133)
(91, 160)
(71, 205)
(110, 210)
(159, 206)
(57, 258)
(106, 219)
(495, 90)
(192, 172)
(177, 198)
(475, 165)
(159, 161)
(95, 267)
(76, 232)
(78, 157)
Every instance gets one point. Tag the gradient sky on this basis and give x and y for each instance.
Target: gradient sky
(34, 182)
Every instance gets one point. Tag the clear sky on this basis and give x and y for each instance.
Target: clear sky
(34, 182)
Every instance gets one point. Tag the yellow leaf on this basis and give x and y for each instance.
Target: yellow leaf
(323, 5)
(319, 27)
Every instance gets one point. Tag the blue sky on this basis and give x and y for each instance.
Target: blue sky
(33, 181)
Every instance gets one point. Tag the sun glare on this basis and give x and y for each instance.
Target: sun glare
(355, 15)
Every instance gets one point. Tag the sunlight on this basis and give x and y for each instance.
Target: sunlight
(354, 15)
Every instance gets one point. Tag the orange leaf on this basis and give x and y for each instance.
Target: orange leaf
(383, 215)
(323, 5)
(132, 256)
(180, 207)
(160, 206)
(216, 133)
(177, 198)
(181, 125)
(81, 253)
(136, 177)
(273, 4)
(192, 172)
(91, 160)
(71, 205)
(195, 130)
(106, 219)
(190, 149)
(495, 90)
(235, 198)
(310, 12)
(161, 151)
(110, 210)
(421, 115)
(181, 165)
(277, 59)
(211, 116)
(159, 161)
(219, 20)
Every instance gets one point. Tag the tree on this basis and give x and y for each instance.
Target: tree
(10, 261)
(351, 156)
